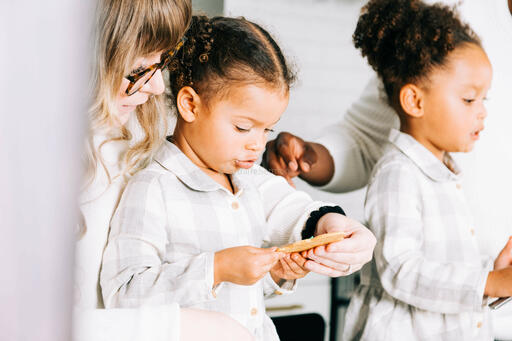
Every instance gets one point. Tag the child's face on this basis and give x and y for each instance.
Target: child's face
(454, 110)
(231, 133)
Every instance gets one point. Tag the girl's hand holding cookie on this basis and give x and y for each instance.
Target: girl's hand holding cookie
(290, 266)
(244, 265)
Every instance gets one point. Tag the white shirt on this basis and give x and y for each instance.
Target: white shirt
(427, 278)
(171, 220)
(90, 321)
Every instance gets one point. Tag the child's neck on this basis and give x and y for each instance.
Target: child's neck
(222, 179)
(438, 153)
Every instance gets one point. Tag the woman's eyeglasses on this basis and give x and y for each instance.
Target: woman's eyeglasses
(138, 80)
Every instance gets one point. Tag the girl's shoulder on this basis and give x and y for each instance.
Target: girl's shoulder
(393, 160)
(394, 167)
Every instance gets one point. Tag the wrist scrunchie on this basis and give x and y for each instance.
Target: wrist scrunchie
(314, 217)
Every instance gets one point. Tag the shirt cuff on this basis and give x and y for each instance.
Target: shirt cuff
(210, 277)
(271, 288)
(482, 299)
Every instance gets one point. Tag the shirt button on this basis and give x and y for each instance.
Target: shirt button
(479, 324)
(459, 186)
(234, 205)
(254, 311)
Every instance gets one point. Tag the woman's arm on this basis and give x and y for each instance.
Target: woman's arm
(342, 159)
(156, 323)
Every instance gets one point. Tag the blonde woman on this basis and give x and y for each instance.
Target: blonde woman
(135, 40)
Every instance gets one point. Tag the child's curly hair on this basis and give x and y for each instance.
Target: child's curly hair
(222, 51)
(404, 40)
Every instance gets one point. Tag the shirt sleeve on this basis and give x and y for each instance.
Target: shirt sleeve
(271, 288)
(160, 323)
(286, 210)
(134, 271)
(356, 143)
(394, 213)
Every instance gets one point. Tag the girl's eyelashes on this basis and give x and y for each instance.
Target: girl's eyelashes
(245, 130)
(468, 100)
(242, 130)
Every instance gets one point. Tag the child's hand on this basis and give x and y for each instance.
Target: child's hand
(504, 259)
(244, 265)
(290, 266)
(499, 283)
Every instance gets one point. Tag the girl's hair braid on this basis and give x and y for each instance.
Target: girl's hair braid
(221, 52)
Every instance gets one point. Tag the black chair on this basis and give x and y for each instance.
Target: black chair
(310, 327)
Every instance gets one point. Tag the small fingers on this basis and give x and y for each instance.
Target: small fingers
(294, 266)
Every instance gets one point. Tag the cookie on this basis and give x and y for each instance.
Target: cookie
(307, 244)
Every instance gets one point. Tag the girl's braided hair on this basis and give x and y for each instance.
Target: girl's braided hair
(221, 52)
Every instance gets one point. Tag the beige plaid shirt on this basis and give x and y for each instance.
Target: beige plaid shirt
(171, 220)
(427, 279)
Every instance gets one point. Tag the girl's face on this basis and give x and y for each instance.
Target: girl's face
(126, 104)
(454, 110)
(231, 132)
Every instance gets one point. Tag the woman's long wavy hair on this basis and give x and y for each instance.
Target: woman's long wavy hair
(127, 30)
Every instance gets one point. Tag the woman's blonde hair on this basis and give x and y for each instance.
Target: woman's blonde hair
(127, 30)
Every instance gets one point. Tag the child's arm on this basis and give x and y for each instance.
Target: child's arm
(287, 210)
(393, 207)
(499, 281)
(135, 271)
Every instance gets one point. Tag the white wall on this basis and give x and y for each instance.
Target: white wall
(43, 92)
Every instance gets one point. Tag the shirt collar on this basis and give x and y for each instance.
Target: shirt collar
(170, 157)
(424, 159)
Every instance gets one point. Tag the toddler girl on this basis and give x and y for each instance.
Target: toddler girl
(428, 280)
(191, 226)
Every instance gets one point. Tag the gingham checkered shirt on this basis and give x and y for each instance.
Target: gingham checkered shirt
(427, 279)
(171, 220)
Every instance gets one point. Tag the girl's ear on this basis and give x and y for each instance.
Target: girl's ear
(188, 103)
(411, 100)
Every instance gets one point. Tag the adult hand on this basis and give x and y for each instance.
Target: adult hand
(244, 265)
(346, 256)
(289, 156)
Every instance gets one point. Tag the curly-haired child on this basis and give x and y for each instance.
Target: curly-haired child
(198, 225)
(428, 280)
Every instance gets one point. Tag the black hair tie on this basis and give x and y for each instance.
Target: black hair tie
(314, 217)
